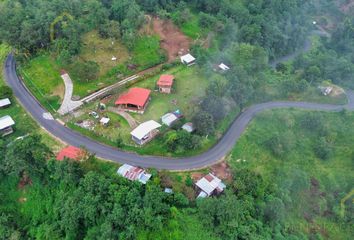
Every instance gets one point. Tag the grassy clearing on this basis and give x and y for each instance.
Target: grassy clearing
(290, 171)
(189, 87)
(191, 28)
(146, 52)
(102, 50)
(42, 76)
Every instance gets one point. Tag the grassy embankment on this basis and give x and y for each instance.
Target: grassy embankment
(24, 123)
(42, 73)
(311, 187)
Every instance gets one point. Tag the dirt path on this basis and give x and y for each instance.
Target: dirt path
(131, 121)
(172, 39)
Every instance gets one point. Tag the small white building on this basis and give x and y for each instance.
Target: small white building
(210, 185)
(188, 127)
(169, 119)
(145, 132)
(223, 67)
(6, 124)
(105, 121)
(5, 102)
(134, 173)
(188, 59)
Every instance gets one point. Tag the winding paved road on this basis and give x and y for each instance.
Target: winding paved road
(221, 149)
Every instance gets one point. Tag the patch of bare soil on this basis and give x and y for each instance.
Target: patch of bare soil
(337, 91)
(24, 181)
(222, 170)
(172, 39)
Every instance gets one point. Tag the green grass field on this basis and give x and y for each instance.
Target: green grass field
(101, 51)
(146, 52)
(309, 186)
(42, 76)
(192, 29)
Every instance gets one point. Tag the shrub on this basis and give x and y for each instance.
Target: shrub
(85, 71)
(5, 92)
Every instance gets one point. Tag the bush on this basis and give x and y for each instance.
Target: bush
(5, 92)
(204, 123)
(85, 71)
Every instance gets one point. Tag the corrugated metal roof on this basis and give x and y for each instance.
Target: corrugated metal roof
(4, 102)
(168, 119)
(6, 122)
(209, 183)
(188, 58)
(143, 129)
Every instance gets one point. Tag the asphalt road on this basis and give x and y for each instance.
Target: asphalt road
(221, 149)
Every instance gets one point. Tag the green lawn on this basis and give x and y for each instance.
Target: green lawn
(42, 76)
(101, 51)
(296, 171)
(192, 29)
(146, 52)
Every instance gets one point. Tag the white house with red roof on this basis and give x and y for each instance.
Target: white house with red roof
(210, 185)
(134, 173)
(165, 83)
(135, 100)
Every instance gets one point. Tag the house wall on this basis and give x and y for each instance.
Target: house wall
(6, 131)
(164, 89)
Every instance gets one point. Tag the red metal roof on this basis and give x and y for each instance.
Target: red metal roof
(166, 80)
(70, 152)
(135, 96)
(133, 173)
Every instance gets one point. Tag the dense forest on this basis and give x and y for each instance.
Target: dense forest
(41, 198)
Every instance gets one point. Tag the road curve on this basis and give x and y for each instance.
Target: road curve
(221, 149)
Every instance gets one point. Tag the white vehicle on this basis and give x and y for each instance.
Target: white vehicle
(94, 115)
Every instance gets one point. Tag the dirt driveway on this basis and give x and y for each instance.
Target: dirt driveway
(172, 39)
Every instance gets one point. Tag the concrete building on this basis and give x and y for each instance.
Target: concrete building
(6, 124)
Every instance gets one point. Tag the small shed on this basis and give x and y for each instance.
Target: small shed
(169, 119)
(71, 152)
(188, 127)
(105, 121)
(188, 59)
(145, 132)
(223, 67)
(5, 102)
(134, 173)
(6, 124)
(165, 83)
(210, 185)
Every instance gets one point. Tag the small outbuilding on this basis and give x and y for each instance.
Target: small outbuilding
(71, 152)
(105, 121)
(188, 127)
(210, 185)
(5, 102)
(135, 100)
(145, 132)
(134, 173)
(165, 83)
(223, 67)
(6, 124)
(188, 59)
(169, 119)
